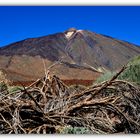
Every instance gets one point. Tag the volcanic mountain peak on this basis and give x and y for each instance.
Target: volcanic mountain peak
(80, 51)
(71, 31)
(68, 33)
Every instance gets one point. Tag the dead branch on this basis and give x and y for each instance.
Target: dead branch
(48, 104)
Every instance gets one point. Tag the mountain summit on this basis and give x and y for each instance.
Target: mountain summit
(79, 54)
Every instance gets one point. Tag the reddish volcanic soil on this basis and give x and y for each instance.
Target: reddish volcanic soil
(67, 82)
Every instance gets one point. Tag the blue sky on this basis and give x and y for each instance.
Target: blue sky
(21, 22)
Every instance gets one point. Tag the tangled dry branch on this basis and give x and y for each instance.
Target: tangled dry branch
(48, 105)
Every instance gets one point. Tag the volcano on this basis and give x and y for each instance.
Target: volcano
(72, 54)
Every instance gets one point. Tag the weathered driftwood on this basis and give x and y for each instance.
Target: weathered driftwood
(48, 104)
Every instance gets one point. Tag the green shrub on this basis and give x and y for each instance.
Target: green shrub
(3, 88)
(105, 77)
(132, 73)
(75, 130)
(135, 60)
(14, 88)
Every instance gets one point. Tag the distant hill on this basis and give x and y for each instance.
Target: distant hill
(83, 55)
